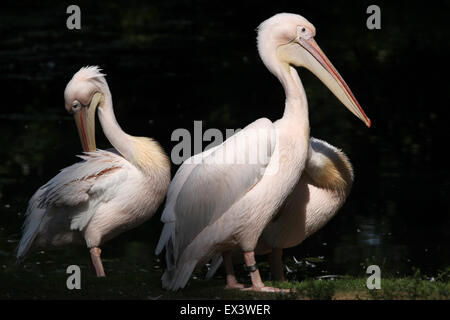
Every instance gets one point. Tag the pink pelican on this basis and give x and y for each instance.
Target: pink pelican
(107, 193)
(213, 207)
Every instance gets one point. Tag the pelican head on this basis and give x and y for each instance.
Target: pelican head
(83, 94)
(293, 37)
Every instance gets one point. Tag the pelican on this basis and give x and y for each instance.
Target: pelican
(107, 193)
(213, 207)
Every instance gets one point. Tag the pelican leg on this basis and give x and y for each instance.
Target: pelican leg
(232, 283)
(276, 264)
(257, 284)
(97, 261)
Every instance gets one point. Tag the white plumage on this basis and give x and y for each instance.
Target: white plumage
(212, 192)
(321, 191)
(74, 194)
(323, 188)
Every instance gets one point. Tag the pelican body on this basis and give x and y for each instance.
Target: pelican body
(214, 207)
(107, 193)
(323, 188)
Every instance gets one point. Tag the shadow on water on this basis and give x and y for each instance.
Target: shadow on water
(171, 63)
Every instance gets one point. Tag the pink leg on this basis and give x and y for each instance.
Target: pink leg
(97, 261)
(276, 264)
(257, 284)
(232, 283)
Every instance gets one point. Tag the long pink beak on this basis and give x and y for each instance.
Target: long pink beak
(345, 93)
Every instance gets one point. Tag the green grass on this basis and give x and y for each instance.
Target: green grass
(348, 288)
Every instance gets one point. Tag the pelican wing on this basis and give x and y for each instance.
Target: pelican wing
(75, 185)
(168, 215)
(224, 175)
(78, 182)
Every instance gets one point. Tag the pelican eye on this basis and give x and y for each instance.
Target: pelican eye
(303, 29)
(76, 106)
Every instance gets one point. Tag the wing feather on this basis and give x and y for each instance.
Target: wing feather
(221, 179)
(168, 215)
(76, 183)
(84, 182)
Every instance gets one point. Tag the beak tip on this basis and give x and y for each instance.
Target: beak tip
(368, 123)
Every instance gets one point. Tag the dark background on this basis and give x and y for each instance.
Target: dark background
(169, 63)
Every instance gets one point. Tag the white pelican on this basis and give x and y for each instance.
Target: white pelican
(214, 207)
(107, 193)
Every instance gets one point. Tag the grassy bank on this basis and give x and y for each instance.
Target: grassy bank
(145, 284)
(137, 276)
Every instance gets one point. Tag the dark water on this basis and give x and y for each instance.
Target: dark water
(172, 62)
